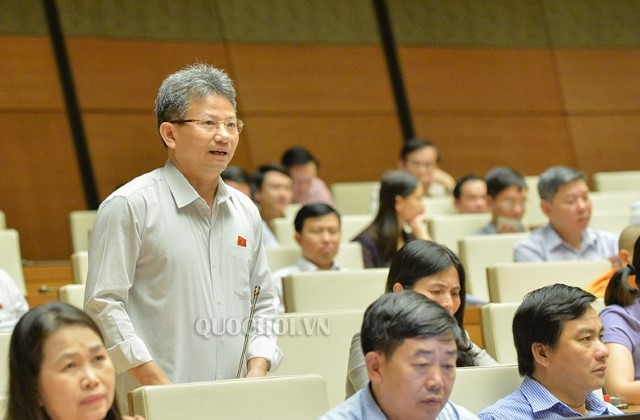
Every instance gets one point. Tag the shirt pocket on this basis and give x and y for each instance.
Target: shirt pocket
(240, 263)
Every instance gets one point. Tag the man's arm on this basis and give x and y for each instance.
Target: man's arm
(149, 374)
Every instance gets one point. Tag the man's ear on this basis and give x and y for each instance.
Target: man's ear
(167, 132)
(546, 207)
(540, 353)
(374, 361)
(397, 287)
(298, 238)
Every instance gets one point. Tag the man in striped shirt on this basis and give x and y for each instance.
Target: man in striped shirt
(557, 335)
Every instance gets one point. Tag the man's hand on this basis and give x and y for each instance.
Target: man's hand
(257, 367)
(149, 374)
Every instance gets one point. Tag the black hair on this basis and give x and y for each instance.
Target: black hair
(501, 178)
(618, 291)
(313, 210)
(414, 144)
(457, 190)
(263, 170)
(297, 155)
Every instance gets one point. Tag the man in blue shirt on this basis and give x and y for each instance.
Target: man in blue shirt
(410, 351)
(557, 335)
(564, 198)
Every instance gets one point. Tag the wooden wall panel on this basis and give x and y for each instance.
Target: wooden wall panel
(123, 75)
(477, 143)
(606, 143)
(349, 148)
(122, 147)
(301, 79)
(480, 80)
(40, 183)
(600, 80)
(28, 75)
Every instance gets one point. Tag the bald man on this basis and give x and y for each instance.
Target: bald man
(628, 238)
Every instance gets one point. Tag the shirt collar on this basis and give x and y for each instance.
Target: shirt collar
(541, 399)
(184, 194)
(555, 241)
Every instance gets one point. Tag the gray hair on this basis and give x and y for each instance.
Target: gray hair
(555, 177)
(196, 81)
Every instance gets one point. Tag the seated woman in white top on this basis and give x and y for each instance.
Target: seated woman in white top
(433, 270)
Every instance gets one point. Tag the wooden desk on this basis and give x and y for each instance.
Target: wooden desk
(44, 278)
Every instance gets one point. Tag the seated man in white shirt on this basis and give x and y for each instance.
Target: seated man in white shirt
(564, 198)
(273, 192)
(12, 304)
(410, 347)
(318, 234)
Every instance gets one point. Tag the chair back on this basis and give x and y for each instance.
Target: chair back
(319, 342)
(616, 181)
(277, 397)
(81, 222)
(481, 251)
(5, 339)
(439, 205)
(73, 294)
(80, 266)
(533, 216)
(448, 229)
(613, 200)
(476, 388)
(349, 256)
(333, 290)
(353, 197)
(3, 220)
(613, 221)
(510, 282)
(10, 257)
(497, 334)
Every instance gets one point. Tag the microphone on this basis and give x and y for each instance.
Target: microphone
(254, 300)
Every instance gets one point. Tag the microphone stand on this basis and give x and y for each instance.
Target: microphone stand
(254, 300)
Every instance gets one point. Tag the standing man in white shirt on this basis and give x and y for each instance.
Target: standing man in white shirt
(176, 257)
(318, 234)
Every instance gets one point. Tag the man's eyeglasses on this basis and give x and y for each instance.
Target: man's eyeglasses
(233, 126)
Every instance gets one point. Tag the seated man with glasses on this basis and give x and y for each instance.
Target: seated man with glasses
(507, 200)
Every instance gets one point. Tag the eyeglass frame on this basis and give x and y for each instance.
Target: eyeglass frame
(206, 123)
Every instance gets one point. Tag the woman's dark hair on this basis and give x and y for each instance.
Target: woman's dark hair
(385, 229)
(618, 291)
(420, 258)
(26, 355)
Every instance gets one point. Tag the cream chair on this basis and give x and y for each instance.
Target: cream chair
(333, 290)
(533, 216)
(497, 333)
(353, 197)
(282, 397)
(616, 181)
(613, 200)
(291, 210)
(510, 282)
(477, 388)
(613, 221)
(3, 220)
(319, 342)
(481, 251)
(449, 229)
(350, 226)
(81, 222)
(10, 257)
(439, 205)
(5, 339)
(80, 266)
(73, 294)
(349, 256)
